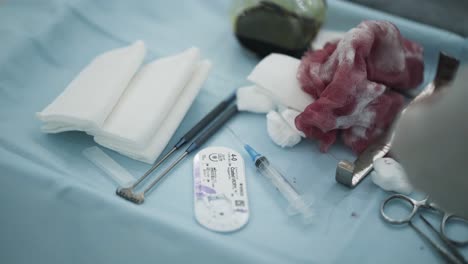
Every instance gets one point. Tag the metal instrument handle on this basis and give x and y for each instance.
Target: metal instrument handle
(446, 219)
(215, 126)
(205, 121)
(403, 198)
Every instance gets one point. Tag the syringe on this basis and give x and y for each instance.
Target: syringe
(296, 201)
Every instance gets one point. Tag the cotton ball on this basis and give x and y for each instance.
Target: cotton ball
(389, 175)
(252, 99)
(280, 131)
(289, 115)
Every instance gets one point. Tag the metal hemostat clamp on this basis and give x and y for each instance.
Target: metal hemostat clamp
(351, 174)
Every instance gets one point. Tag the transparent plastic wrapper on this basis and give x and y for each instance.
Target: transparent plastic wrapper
(278, 26)
(103, 161)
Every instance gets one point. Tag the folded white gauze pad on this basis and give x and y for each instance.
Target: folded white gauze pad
(254, 99)
(169, 125)
(88, 100)
(148, 100)
(133, 113)
(277, 74)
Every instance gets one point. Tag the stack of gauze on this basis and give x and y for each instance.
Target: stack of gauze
(131, 108)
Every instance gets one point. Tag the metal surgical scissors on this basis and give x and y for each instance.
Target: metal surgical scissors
(452, 254)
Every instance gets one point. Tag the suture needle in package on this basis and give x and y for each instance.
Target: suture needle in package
(220, 194)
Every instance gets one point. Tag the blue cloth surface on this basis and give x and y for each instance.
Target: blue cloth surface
(57, 207)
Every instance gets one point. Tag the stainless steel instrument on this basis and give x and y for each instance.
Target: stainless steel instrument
(448, 250)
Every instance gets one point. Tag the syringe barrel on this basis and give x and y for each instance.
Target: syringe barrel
(278, 180)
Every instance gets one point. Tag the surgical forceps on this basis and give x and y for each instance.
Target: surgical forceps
(220, 114)
(450, 253)
(351, 174)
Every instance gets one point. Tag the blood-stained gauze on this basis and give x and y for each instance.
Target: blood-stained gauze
(351, 81)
